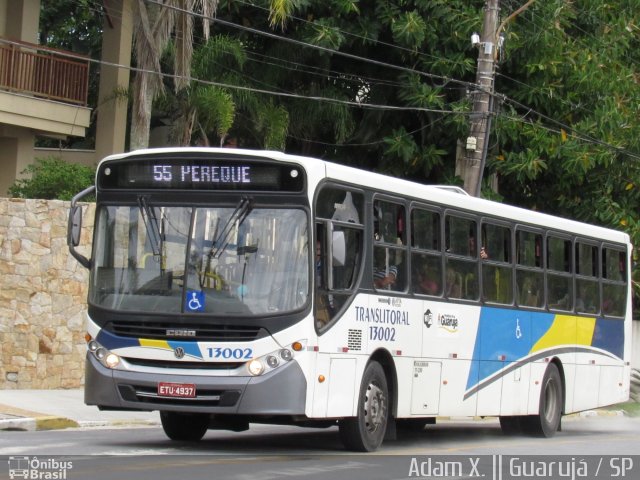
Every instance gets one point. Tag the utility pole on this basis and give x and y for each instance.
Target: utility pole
(475, 149)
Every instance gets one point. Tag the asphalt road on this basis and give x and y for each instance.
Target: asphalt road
(469, 449)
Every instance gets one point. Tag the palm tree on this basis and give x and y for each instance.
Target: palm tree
(155, 24)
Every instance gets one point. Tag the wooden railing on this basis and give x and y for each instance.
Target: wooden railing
(43, 72)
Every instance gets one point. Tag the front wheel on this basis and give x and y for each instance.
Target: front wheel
(365, 431)
(547, 422)
(189, 427)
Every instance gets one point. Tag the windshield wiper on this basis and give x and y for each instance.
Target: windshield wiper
(241, 212)
(150, 220)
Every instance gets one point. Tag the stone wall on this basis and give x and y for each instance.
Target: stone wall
(43, 292)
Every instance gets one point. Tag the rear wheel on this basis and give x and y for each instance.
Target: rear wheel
(547, 422)
(365, 431)
(184, 426)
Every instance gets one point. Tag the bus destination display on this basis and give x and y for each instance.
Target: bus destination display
(199, 174)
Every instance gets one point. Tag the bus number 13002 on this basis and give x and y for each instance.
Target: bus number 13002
(230, 353)
(386, 334)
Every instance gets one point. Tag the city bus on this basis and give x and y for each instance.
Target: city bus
(231, 286)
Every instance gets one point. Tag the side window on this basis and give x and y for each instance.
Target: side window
(426, 257)
(587, 285)
(389, 251)
(614, 282)
(529, 273)
(497, 270)
(425, 229)
(461, 254)
(559, 278)
(338, 250)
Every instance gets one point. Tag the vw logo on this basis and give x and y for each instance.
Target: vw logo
(179, 352)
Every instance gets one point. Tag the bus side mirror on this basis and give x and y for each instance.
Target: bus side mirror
(74, 227)
(338, 249)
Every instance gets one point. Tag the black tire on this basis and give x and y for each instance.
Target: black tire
(189, 427)
(547, 422)
(365, 432)
(511, 425)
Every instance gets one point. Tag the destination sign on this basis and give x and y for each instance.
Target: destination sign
(200, 174)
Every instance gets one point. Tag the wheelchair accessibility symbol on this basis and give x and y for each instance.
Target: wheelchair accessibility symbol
(195, 301)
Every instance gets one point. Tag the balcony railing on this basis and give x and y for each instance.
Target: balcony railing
(43, 72)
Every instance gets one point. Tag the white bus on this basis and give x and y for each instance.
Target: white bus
(230, 287)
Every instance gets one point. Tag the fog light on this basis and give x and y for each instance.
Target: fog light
(93, 346)
(112, 360)
(272, 361)
(285, 354)
(101, 353)
(255, 367)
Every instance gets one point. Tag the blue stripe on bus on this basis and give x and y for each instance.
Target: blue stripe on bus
(111, 342)
(609, 336)
(190, 348)
(506, 336)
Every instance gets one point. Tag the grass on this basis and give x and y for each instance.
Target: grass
(630, 408)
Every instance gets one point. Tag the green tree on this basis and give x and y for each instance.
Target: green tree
(53, 178)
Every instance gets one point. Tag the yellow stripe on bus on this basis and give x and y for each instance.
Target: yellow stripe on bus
(565, 330)
(145, 342)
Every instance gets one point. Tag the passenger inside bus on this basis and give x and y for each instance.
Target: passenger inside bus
(454, 284)
(385, 276)
(427, 280)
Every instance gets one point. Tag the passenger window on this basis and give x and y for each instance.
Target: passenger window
(587, 285)
(461, 250)
(427, 274)
(560, 281)
(461, 236)
(614, 282)
(389, 255)
(529, 273)
(497, 271)
(425, 230)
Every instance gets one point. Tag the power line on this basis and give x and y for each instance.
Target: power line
(371, 106)
(576, 133)
(316, 47)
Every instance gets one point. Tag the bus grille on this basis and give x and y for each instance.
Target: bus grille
(200, 332)
(186, 365)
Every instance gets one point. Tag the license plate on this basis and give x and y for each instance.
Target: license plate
(182, 390)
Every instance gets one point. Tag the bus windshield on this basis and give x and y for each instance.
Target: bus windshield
(240, 260)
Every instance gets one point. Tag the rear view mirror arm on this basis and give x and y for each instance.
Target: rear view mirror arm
(74, 227)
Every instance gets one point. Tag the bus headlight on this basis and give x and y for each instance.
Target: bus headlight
(273, 360)
(104, 356)
(112, 360)
(255, 367)
(286, 354)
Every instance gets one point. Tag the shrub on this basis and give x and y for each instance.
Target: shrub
(53, 178)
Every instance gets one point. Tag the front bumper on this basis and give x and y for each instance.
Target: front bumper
(280, 392)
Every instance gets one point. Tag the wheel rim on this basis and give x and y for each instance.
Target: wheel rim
(375, 408)
(551, 401)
